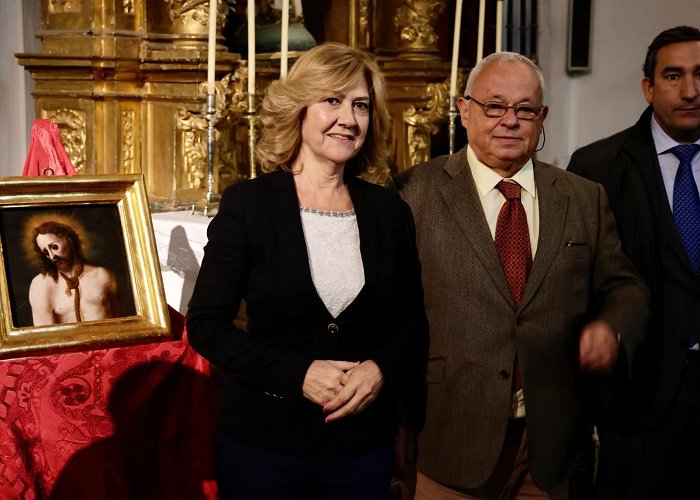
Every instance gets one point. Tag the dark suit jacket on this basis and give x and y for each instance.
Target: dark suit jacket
(256, 251)
(626, 165)
(578, 272)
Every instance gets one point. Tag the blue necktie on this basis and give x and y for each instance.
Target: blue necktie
(686, 204)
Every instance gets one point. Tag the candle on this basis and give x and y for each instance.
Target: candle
(211, 58)
(455, 49)
(284, 43)
(499, 25)
(251, 46)
(480, 33)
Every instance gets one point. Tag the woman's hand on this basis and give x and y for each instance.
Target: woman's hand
(362, 385)
(325, 379)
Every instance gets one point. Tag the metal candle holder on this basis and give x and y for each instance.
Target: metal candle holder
(452, 114)
(210, 205)
(252, 134)
(212, 198)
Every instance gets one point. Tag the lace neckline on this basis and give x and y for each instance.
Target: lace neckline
(328, 213)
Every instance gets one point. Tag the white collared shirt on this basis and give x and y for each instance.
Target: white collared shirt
(668, 161)
(492, 200)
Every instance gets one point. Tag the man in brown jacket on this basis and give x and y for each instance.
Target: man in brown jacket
(526, 291)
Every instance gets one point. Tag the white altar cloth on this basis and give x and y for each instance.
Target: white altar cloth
(180, 240)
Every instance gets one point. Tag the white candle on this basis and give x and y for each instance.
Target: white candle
(251, 46)
(455, 49)
(480, 33)
(284, 43)
(211, 58)
(499, 25)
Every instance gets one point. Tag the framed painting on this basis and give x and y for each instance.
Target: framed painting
(78, 265)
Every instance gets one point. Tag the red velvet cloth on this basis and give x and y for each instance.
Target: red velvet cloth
(123, 423)
(46, 155)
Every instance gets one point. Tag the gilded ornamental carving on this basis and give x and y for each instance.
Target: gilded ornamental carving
(65, 6)
(414, 22)
(128, 119)
(424, 122)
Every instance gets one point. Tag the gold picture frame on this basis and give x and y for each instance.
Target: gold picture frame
(110, 214)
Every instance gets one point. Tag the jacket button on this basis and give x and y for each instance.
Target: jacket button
(333, 328)
(519, 321)
(504, 374)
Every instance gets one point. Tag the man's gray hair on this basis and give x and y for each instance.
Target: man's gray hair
(502, 57)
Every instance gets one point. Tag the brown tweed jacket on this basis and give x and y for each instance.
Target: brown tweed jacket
(579, 273)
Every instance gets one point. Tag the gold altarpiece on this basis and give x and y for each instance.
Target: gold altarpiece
(123, 79)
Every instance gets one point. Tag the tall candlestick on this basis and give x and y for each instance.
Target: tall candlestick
(499, 25)
(251, 46)
(211, 58)
(480, 33)
(455, 49)
(452, 112)
(284, 42)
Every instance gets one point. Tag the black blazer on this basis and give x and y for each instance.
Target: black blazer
(626, 165)
(257, 253)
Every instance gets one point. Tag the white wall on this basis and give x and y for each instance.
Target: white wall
(18, 22)
(608, 99)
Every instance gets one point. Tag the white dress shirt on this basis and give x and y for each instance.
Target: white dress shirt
(668, 161)
(492, 200)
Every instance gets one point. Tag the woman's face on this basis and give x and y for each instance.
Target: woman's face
(334, 127)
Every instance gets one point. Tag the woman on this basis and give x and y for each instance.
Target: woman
(327, 266)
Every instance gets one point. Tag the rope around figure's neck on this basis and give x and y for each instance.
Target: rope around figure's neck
(73, 283)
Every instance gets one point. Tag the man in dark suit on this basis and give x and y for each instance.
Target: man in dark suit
(524, 292)
(650, 430)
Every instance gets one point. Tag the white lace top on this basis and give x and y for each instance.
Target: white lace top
(333, 244)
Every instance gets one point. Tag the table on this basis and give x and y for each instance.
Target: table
(180, 239)
(128, 422)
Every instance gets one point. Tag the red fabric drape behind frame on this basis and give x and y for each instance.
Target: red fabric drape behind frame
(46, 155)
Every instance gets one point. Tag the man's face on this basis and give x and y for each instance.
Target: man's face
(505, 144)
(56, 249)
(675, 93)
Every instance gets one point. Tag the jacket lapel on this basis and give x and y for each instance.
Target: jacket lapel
(291, 244)
(369, 237)
(461, 196)
(640, 147)
(553, 206)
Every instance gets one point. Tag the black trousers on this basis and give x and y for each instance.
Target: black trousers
(247, 472)
(662, 462)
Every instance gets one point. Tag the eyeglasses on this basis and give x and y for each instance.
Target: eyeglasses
(499, 109)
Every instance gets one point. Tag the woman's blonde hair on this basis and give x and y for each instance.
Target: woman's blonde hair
(325, 70)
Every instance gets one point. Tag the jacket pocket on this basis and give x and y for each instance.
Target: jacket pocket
(576, 250)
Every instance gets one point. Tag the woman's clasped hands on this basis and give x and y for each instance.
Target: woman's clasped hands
(343, 388)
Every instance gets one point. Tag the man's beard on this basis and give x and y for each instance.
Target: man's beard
(60, 264)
